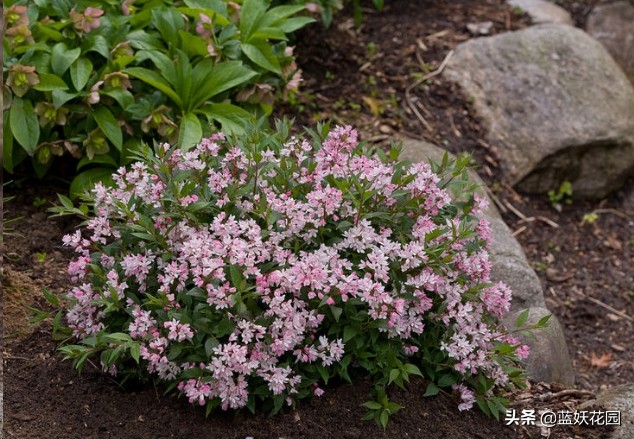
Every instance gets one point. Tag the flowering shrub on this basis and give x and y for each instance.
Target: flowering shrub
(255, 270)
(95, 79)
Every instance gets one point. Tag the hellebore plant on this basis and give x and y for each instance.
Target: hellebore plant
(249, 272)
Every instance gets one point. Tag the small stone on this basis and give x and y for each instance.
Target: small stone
(542, 11)
(481, 28)
(385, 129)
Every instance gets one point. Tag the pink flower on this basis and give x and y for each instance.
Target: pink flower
(88, 20)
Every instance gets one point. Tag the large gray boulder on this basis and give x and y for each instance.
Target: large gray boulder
(507, 256)
(542, 11)
(555, 103)
(612, 24)
(617, 399)
(548, 360)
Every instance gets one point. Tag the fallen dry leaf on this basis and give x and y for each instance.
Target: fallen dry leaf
(601, 361)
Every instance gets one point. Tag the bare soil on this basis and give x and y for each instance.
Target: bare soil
(380, 78)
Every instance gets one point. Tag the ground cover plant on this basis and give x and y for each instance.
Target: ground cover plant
(251, 271)
(94, 80)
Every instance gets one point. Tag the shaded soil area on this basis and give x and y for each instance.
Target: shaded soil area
(382, 79)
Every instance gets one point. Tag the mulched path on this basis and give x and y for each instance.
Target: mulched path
(377, 78)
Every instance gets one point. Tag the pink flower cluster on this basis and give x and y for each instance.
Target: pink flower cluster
(267, 243)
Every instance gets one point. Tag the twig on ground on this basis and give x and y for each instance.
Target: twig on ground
(518, 231)
(418, 82)
(517, 213)
(548, 221)
(610, 308)
(612, 211)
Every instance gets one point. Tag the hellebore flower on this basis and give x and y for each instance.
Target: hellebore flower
(88, 20)
(21, 78)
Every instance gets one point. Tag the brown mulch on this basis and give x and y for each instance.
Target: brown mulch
(359, 77)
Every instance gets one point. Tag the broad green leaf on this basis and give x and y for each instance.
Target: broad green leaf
(123, 97)
(431, 390)
(24, 124)
(102, 159)
(295, 23)
(446, 380)
(183, 84)
(62, 57)
(168, 22)
(279, 13)
(232, 119)
(85, 181)
(193, 45)
(141, 40)
(60, 97)
(109, 126)
(49, 32)
(163, 63)
(11, 156)
(270, 33)
(155, 80)
(217, 79)
(250, 14)
(190, 132)
(260, 53)
(80, 72)
(50, 82)
(218, 6)
(98, 44)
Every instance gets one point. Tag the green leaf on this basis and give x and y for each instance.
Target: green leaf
(210, 81)
(24, 124)
(412, 369)
(394, 374)
(102, 159)
(432, 390)
(60, 97)
(109, 126)
(232, 119)
(293, 24)
(193, 45)
(85, 181)
(155, 80)
(279, 13)
(543, 322)
(80, 72)
(10, 155)
(123, 97)
(98, 44)
(336, 312)
(62, 57)
(250, 14)
(521, 319)
(446, 380)
(50, 82)
(383, 419)
(168, 22)
(189, 132)
(372, 405)
(261, 54)
(135, 352)
(349, 332)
